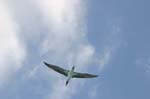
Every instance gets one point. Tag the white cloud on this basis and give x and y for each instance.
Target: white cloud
(94, 92)
(66, 41)
(83, 57)
(11, 50)
(104, 59)
(85, 54)
(65, 22)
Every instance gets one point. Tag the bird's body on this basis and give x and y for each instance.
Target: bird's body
(69, 73)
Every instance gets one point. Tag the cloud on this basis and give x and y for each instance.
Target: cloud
(12, 52)
(144, 64)
(112, 43)
(94, 92)
(66, 42)
(105, 57)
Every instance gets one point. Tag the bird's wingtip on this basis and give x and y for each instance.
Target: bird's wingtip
(45, 63)
(96, 75)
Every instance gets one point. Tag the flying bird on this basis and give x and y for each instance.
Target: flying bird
(69, 73)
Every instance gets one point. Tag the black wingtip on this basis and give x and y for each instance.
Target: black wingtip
(96, 75)
(67, 83)
(45, 63)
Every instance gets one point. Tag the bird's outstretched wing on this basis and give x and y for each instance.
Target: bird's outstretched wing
(83, 75)
(57, 69)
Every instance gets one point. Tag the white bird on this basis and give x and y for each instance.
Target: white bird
(70, 73)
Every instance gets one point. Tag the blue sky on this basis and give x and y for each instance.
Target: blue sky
(105, 37)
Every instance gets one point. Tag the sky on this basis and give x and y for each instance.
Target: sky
(109, 38)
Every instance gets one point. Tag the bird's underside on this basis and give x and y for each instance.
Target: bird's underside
(66, 72)
(69, 73)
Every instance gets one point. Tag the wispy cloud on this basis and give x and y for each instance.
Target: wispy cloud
(112, 43)
(94, 92)
(144, 64)
(12, 52)
(66, 42)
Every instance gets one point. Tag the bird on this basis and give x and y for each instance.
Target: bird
(69, 73)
